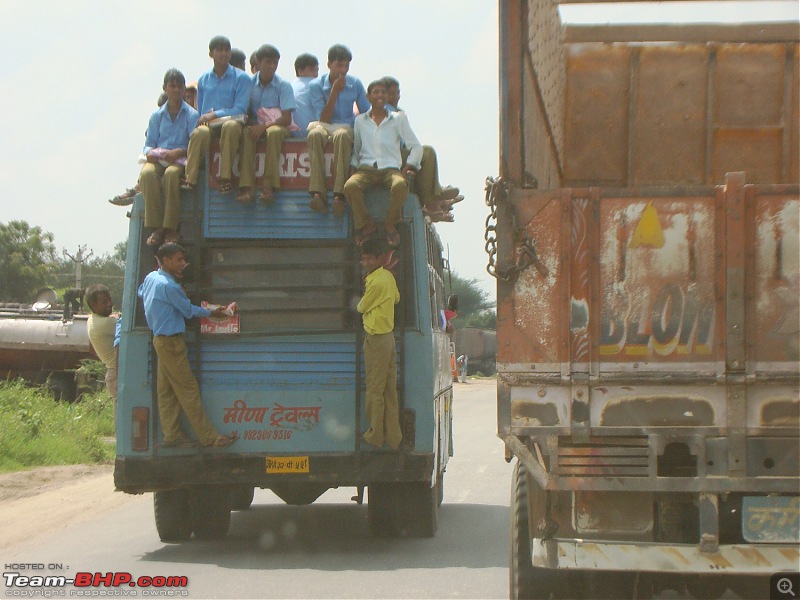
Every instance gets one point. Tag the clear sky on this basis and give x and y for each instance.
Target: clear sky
(81, 78)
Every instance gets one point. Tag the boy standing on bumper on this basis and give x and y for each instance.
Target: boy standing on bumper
(380, 356)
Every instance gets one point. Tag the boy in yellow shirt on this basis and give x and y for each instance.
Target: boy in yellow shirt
(380, 357)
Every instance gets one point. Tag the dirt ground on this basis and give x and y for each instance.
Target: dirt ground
(22, 484)
(42, 500)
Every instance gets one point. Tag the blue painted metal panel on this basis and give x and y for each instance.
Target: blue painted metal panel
(278, 363)
(287, 217)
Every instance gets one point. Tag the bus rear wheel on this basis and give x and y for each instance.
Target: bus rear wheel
(210, 510)
(173, 521)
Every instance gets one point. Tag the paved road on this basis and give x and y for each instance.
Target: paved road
(277, 551)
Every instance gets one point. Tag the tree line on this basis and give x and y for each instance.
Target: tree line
(29, 261)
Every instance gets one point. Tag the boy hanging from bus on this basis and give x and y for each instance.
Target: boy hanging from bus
(380, 356)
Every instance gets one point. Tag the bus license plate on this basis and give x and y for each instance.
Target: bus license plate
(771, 519)
(287, 464)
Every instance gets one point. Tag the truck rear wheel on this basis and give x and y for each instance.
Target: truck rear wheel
(173, 521)
(210, 510)
(525, 581)
(397, 507)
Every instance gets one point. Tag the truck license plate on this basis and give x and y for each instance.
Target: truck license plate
(771, 519)
(287, 464)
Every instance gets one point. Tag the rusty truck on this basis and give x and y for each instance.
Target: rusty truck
(644, 236)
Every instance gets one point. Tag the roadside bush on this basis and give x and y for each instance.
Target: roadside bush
(36, 431)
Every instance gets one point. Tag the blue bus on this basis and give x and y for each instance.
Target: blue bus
(286, 376)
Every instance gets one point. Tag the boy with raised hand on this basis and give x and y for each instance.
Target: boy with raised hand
(332, 98)
(270, 113)
(306, 68)
(436, 200)
(166, 308)
(380, 357)
(224, 91)
(378, 138)
(165, 147)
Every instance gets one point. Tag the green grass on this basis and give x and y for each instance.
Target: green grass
(36, 431)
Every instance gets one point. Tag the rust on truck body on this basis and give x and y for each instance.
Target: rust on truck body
(644, 234)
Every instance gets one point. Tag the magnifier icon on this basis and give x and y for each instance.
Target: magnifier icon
(784, 586)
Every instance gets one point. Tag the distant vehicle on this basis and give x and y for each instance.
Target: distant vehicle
(44, 344)
(644, 236)
(286, 374)
(480, 348)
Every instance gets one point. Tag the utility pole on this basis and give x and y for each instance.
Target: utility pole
(78, 259)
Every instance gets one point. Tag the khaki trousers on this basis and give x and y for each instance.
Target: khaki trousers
(367, 177)
(198, 148)
(247, 159)
(427, 183)
(178, 389)
(154, 178)
(342, 148)
(380, 364)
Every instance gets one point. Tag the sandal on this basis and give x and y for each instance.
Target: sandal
(449, 192)
(393, 238)
(125, 198)
(181, 442)
(156, 238)
(222, 441)
(364, 233)
(318, 203)
(245, 195)
(339, 206)
(225, 186)
(267, 195)
(187, 185)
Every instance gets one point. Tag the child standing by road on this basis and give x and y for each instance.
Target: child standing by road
(380, 357)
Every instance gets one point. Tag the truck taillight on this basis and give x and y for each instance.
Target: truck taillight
(140, 428)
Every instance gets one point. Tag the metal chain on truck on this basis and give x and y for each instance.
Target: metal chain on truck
(496, 193)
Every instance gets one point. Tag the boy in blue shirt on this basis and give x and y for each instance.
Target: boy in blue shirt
(224, 91)
(332, 98)
(270, 115)
(165, 148)
(166, 308)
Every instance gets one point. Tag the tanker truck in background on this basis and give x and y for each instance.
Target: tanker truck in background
(644, 236)
(44, 343)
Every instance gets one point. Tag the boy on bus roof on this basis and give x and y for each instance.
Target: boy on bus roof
(238, 59)
(165, 148)
(270, 115)
(437, 201)
(224, 91)
(378, 139)
(380, 356)
(306, 68)
(332, 97)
